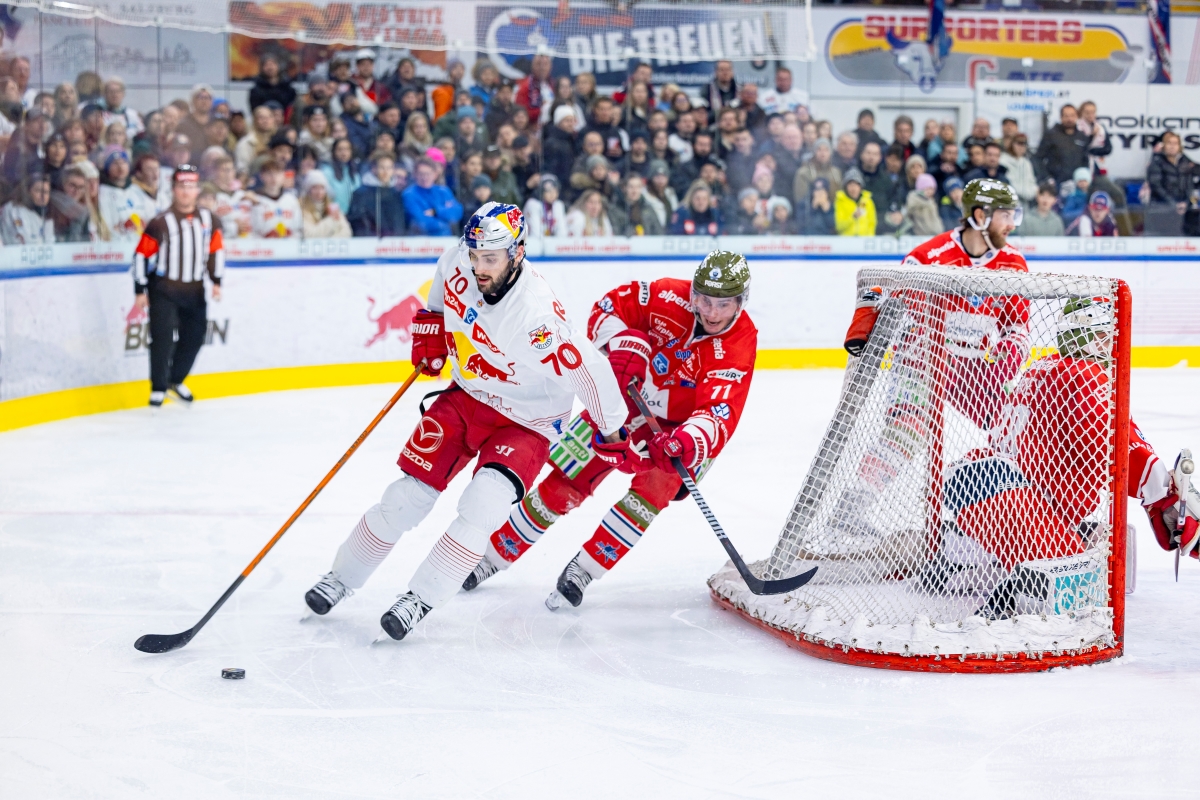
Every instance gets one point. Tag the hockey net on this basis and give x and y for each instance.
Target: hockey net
(962, 504)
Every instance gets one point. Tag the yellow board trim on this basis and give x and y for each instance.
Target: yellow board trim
(52, 406)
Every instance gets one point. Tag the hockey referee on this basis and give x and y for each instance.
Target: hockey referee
(187, 241)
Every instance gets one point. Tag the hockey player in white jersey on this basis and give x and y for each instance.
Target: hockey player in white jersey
(516, 366)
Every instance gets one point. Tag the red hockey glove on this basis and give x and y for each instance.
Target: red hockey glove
(680, 443)
(429, 342)
(1164, 515)
(629, 356)
(625, 455)
(865, 312)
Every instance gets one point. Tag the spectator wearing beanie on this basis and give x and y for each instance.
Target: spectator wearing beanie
(922, 216)
(781, 220)
(544, 212)
(1073, 196)
(951, 204)
(747, 218)
(659, 193)
(559, 144)
(481, 191)
(853, 209)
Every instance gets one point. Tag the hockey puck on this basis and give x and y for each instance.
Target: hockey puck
(233, 673)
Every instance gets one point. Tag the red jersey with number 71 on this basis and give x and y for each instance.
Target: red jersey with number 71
(693, 377)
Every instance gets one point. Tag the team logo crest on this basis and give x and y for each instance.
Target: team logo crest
(514, 218)
(721, 411)
(606, 552)
(714, 274)
(470, 316)
(428, 436)
(541, 338)
(660, 364)
(509, 545)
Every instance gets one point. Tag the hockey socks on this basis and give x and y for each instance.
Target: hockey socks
(481, 509)
(529, 520)
(619, 531)
(404, 504)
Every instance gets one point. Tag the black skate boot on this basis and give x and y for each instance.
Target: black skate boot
(1002, 602)
(181, 392)
(571, 583)
(404, 615)
(328, 592)
(483, 570)
(156, 399)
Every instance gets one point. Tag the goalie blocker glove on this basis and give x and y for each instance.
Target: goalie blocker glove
(429, 342)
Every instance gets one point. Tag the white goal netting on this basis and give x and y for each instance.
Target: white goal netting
(961, 501)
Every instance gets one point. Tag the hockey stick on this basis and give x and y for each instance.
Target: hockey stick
(1184, 467)
(756, 584)
(164, 643)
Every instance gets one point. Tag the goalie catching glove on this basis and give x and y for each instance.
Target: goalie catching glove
(429, 342)
(1164, 517)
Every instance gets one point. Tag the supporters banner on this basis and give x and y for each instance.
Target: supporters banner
(680, 42)
(869, 50)
(1135, 115)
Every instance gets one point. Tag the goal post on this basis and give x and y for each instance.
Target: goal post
(966, 506)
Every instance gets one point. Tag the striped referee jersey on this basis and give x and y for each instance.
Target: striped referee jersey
(186, 246)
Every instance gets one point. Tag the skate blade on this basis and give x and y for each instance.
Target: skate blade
(381, 639)
(555, 601)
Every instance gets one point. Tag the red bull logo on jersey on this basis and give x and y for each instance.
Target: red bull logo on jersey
(396, 319)
(480, 367)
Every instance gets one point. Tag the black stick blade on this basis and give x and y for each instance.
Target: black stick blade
(163, 643)
(783, 586)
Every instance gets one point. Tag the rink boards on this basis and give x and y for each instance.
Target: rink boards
(310, 314)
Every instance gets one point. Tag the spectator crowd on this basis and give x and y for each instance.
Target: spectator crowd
(364, 155)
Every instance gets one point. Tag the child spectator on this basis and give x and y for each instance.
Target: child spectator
(922, 217)
(951, 206)
(1074, 196)
(853, 208)
(431, 208)
(481, 191)
(779, 212)
(746, 220)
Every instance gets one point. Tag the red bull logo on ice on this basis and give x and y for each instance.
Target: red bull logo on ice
(398, 318)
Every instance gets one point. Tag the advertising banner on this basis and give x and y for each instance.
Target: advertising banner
(1135, 115)
(865, 51)
(680, 42)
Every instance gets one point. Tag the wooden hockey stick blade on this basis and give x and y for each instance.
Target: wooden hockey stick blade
(755, 584)
(164, 643)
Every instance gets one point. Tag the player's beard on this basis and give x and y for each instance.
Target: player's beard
(997, 237)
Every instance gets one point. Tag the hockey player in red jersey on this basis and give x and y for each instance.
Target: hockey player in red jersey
(1019, 507)
(691, 345)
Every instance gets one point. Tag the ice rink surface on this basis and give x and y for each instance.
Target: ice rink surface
(120, 524)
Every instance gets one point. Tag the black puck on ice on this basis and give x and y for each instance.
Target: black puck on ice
(233, 673)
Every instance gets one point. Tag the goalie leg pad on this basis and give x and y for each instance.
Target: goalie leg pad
(620, 529)
(1019, 525)
(404, 504)
(481, 509)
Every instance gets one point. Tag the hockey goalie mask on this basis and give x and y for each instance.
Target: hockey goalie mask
(720, 289)
(1085, 329)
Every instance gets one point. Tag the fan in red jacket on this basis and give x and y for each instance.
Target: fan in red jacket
(691, 348)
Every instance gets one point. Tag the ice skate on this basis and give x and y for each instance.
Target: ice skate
(181, 392)
(483, 570)
(571, 583)
(404, 615)
(328, 592)
(156, 399)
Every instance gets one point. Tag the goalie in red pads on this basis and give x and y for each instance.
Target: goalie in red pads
(691, 346)
(1020, 528)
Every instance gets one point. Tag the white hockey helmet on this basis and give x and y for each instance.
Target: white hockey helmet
(1085, 328)
(496, 226)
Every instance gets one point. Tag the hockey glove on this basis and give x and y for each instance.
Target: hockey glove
(683, 443)
(629, 356)
(429, 342)
(865, 312)
(625, 455)
(1164, 515)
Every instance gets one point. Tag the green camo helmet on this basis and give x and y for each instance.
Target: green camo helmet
(1085, 328)
(723, 274)
(990, 195)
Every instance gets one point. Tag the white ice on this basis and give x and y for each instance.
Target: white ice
(120, 524)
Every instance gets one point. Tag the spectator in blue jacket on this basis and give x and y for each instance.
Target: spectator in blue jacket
(1074, 196)
(697, 215)
(431, 209)
(378, 210)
